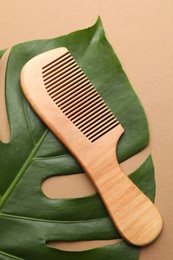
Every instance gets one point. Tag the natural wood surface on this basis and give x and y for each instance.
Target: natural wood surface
(131, 211)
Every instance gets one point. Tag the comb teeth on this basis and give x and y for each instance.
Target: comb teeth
(74, 94)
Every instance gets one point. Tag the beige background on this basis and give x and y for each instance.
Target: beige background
(141, 32)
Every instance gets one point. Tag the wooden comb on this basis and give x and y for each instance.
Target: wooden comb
(65, 99)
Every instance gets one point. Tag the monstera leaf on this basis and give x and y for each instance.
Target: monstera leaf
(28, 219)
(1, 53)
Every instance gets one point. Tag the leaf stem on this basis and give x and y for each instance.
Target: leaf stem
(10, 256)
(20, 173)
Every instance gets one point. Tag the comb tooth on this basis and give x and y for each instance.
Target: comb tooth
(88, 110)
(62, 95)
(95, 137)
(65, 86)
(78, 98)
(90, 113)
(87, 97)
(71, 110)
(98, 122)
(98, 125)
(61, 70)
(62, 75)
(66, 90)
(99, 130)
(56, 65)
(51, 74)
(86, 105)
(74, 94)
(96, 119)
(75, 73)
(52, 63)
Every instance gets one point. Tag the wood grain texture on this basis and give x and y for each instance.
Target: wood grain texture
(134, 215)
